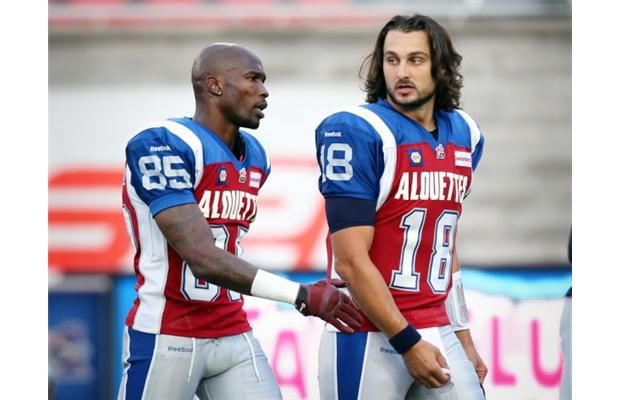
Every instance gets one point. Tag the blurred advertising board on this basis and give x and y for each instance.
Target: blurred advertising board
(79, 338)
(516, 333)
(514, 315)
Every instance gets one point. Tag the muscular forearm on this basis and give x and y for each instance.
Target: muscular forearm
(185, 229)
(367, 287)
(365, 283)
(231, 272)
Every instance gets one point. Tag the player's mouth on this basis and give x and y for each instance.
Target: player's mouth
(404, 89)
(259, 108)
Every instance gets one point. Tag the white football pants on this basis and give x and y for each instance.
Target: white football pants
(165, 367)
(364, 366)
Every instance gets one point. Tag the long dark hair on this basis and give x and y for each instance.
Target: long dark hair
(446, 62)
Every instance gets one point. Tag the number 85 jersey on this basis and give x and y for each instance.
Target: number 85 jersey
(176, 162)
(373, 152)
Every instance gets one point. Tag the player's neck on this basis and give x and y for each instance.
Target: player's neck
(218, 125)
(423, 115)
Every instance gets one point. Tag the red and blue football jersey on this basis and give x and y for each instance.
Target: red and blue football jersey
(176, 162)
(373, 152)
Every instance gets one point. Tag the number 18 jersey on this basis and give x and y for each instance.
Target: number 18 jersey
(373, 152)
(176, 162)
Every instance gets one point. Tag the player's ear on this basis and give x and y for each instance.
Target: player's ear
(213, 85)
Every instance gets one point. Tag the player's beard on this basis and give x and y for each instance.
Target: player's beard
(233, 115)
(248, 122)
(414, 104)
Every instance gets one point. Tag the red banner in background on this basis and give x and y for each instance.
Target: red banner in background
(86, 235)
(87, 231)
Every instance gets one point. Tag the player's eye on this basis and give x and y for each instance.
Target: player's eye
(257, 78)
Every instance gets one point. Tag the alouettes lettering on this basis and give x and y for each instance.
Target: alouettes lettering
(432, 185)
(228, 204)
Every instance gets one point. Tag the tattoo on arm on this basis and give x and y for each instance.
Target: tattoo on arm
(188, 232)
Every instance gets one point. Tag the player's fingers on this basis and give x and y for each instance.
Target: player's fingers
(340, 326)
(350, 309)
(441, 360)
(430, 382)
(339, 283)
(439, 376)
(349, 316)
(348, 300)
(432, 377)
(435, 381)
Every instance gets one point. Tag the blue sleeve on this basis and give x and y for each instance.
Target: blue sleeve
(162, 169)
(345, 212)
(350, 156)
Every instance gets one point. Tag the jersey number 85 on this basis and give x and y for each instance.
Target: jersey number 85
(152, 177)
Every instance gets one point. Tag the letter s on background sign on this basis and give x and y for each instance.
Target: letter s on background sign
(87, 229)
(85, 222)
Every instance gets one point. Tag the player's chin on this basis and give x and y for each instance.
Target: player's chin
(407, 98)
(255, 118)
(251, 123)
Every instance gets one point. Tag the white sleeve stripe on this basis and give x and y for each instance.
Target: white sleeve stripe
(194, 143)
(389, 149)
(474, 131)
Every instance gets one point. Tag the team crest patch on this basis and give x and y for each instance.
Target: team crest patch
(440, 152)
(242, 175)
(462, 159)
(415, 157)
(255, 178)
(222, 176)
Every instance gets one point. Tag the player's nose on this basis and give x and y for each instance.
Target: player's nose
(402, 71)
(262, 91)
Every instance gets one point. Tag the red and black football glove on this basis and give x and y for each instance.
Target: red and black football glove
(323, 299)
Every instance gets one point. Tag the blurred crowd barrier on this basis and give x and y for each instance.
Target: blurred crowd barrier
(244, 14)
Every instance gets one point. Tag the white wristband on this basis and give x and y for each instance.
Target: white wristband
(273, 287)
(455, 304)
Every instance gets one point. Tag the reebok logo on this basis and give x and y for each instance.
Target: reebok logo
(180, 349)
(333, 134)
(386, 350)
(160, 148)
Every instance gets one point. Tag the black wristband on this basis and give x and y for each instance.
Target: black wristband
(301, 302)
(405, 339)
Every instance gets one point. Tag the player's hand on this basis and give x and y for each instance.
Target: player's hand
(425, 362)
(467, 342)
(479, 365)
(323, 299)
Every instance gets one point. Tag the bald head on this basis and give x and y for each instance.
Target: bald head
(219, 58)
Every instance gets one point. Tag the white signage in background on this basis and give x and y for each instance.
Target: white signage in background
(518, 340)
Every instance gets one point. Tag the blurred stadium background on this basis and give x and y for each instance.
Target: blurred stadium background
(116, 64)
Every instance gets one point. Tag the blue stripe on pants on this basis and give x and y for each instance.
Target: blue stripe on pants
(141, 347)
(349, 362)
